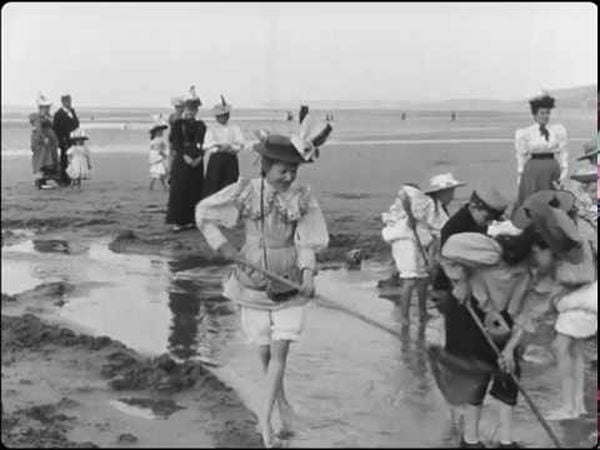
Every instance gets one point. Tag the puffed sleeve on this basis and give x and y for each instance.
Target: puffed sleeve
(522, 149)
(311, 234)
(221, 209)
(239, 143)
(210, 143)
(562, 154)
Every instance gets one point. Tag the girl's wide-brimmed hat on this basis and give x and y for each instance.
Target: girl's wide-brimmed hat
(442, 182)
(590, 150)
(42, 100)
(563, 200)
(159, 124)
(279, 148)
(300, 148)
(78, 135)
(192, 99)
(221, 108)
(586, 175)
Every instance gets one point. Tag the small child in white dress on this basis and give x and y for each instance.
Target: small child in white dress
(80, 165)
(158, 154)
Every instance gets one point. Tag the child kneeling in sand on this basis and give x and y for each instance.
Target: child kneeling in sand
(284, 228)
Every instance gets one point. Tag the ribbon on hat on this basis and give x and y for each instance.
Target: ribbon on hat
(309, 138)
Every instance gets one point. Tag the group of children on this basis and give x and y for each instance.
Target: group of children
(512, 270)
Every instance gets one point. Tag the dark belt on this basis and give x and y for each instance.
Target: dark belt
(542, 156)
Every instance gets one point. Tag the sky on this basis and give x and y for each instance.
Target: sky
(142, 54)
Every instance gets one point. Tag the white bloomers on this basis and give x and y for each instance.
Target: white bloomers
(263, 326)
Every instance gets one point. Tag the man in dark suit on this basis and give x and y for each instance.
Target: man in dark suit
(65, 121)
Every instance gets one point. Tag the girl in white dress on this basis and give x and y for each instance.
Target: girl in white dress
(80, 165)
(284, 228)
(428, 209)
(158, 154)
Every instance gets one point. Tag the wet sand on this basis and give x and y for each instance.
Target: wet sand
(60, 387)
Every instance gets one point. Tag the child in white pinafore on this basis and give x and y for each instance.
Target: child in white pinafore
(284, 228)
(79, 159)
(158, 154)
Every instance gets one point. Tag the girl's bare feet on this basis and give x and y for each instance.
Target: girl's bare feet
(287, 417)
(269, 441)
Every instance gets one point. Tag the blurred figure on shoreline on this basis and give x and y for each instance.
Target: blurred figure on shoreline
(158, 157)
(187, 171)
(79, 160)
(44, 145)
(178, 103)
(64, 123)
(222, 143)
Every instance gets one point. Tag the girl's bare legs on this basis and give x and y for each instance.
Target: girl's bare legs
(275, 372)
(562, 345)
(406, 291)
(151, 184)
(422, 285)
(579, 374)
(471, 417)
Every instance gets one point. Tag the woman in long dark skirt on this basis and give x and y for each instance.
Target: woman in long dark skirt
(541, 150)
(187, 170)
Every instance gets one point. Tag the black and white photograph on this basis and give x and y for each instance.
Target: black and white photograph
(299, 224)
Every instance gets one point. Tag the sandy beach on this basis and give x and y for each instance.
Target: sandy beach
(62, 382)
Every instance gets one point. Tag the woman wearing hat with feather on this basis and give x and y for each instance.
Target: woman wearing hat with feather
(222, 143)
(185, 189)
(284, 228)
(541, 151)
(44, 144)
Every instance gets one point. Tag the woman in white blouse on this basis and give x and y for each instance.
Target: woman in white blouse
(541, 149)
(222, 143)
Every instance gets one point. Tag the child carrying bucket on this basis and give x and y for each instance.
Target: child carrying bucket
(284, 228)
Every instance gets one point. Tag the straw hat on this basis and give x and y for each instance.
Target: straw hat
(42, 100)
(221, 108)
(563, 200)
(442, 182)
(586, 175)
(78, 135)
(590, 150)
(159, 124)
(191, 99)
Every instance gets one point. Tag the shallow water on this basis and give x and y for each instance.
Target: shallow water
(352, 385)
